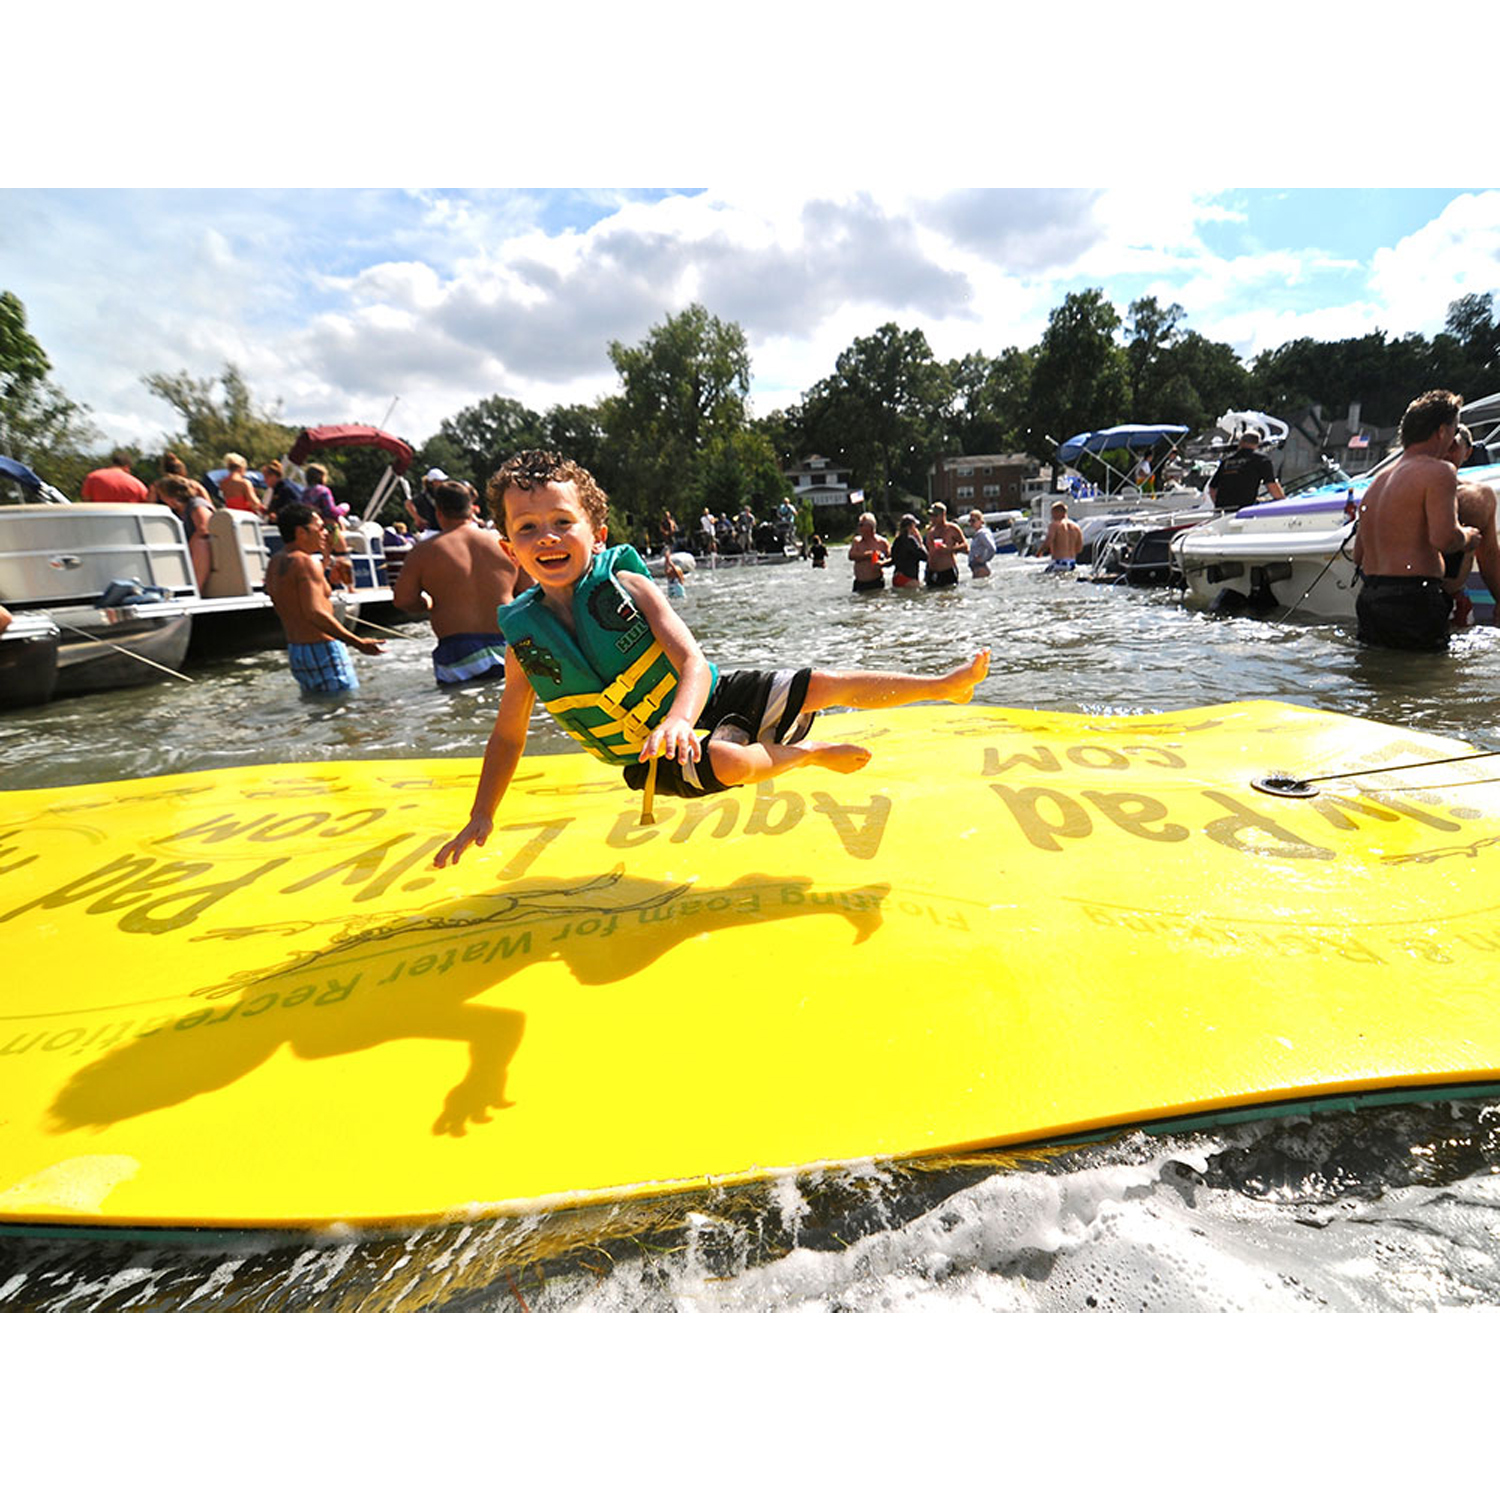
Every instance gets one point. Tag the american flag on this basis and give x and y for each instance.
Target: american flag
(856, 497)
(1360, 440)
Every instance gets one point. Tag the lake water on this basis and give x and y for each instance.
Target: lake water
(1390, 1208)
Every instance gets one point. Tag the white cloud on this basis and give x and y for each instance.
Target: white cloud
(1414, 280)
(337, 301)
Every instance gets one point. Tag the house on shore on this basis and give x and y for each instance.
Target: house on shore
(981, 481)
(1354, 445)
(823, 482)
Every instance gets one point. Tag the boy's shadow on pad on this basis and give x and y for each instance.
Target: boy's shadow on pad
(384, 977)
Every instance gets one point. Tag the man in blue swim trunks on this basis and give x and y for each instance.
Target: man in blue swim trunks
(458, 580)
(298, 588)
(1064, 540)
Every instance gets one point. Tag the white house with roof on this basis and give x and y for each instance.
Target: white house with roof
(821, 481)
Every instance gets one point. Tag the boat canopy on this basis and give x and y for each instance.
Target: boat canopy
(311, 439)
(1272, 430)
(28, 479)
(1132, 435)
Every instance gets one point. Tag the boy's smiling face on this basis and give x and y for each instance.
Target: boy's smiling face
(550, 535)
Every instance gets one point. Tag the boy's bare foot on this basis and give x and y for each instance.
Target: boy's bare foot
(959, 684)
(840, 758)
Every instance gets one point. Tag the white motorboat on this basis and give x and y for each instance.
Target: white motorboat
(1295, 555)
(1101, 507)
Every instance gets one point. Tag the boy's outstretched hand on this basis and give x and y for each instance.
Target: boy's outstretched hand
(674, 740)
(475, 831)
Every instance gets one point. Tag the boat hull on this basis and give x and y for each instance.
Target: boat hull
(101, 650)
(28, 662)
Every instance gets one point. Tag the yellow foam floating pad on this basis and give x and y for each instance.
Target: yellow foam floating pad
(245, 997)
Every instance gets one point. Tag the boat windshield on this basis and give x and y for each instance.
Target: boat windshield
(1327, 473)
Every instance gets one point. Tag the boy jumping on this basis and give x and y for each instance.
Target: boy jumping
(619, 670)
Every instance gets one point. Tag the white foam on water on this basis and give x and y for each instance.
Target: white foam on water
(1138, 1236)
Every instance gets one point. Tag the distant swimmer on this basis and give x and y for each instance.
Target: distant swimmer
(817, 551)
(621, 672)
(1063, 542)
(459, 579)
(1476, 508)
(944, 542)
(868, 552)
(1407, 521)
(298, 588)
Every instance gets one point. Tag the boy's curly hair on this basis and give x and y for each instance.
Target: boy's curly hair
(534, 467)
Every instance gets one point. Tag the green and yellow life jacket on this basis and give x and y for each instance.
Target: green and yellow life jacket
(610, 683)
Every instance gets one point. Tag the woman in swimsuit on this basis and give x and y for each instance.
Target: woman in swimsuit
(238, 492)
(907, 555)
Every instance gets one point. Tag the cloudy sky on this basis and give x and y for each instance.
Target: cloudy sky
(338, 302)
(816, 214)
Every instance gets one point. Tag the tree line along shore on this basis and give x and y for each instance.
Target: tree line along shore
(677, 432)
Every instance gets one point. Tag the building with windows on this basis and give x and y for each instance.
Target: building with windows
(1352, 444)
(821, 481)
(980, 481)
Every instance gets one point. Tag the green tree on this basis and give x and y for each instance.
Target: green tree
(486, 434)
(39, 426)
(672, 426)
(577, 432)
(219, 415)
(1177, 375)
(988, 402)
(884, 413)
(1380, 373)
(1081, 378)
(1153, 330)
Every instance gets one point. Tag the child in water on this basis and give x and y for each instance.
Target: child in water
(621, 672)
(675, 578)
(818, 552)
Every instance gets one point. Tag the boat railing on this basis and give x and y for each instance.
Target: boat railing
(53, 555)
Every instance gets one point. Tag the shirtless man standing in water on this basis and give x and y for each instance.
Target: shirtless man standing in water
(1064, 540)
(868, 552)
(1407, 521)
(459, 579)
(303, 600)
(944, 542)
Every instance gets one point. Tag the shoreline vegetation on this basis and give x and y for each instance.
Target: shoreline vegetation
(677, 433)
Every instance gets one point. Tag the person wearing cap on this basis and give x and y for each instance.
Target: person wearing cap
(944, 542)
(1238, 479)
(420, 507)
(981, 546)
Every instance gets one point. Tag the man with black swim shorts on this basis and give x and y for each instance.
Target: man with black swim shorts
(868, 552)
(1407, 521)
(944, 541)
